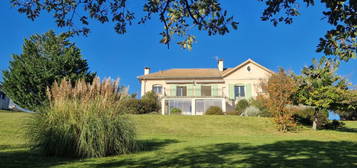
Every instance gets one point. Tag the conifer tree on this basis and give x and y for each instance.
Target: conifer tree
(45, 58)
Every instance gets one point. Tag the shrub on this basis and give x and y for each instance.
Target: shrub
(334, 125)
(280, 88)
(305, 116)
(214, 110)
(260, 103)
(241, 106)
(251, 111)
(132, 106)
(175, 111)
(83, 121)
(150, 102)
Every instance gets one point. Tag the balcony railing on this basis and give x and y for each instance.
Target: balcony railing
(193, 92)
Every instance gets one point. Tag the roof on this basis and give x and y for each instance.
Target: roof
(208, 73)
(202, 73)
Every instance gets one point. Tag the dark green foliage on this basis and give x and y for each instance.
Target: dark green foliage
(147, 104)
(150, 102)
(305, 116)
(133, 106)
(320, 87)
(214, 110)
(241, 106)
(44, 59)
(175, 111)
(334, 125)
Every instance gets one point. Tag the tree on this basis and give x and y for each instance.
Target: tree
(45, 58)
(320, 87)
(280, 89)
(347, 108)
(180, 16)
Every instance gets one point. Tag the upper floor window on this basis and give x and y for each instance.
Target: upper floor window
(157, 89)
(206, 91)
(239, 91)
(181, 91)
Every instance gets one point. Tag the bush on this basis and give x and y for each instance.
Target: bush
(305, 116)
(334, 125)
(251, 111)
(260, 103)
(147, 104)
(241, 106)
(150, 102)
(132, 106)
(175, 111)
(214, 110)
(83, 121)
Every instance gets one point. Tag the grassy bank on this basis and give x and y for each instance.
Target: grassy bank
(199, 141)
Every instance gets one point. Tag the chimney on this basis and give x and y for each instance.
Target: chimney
(220, 65)
(146, 70)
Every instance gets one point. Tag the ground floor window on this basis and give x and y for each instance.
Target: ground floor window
(184, 105)
(203, 104)
(239, 91)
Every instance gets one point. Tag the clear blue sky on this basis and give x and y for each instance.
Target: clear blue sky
(124, 56)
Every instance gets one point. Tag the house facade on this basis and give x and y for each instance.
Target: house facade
(193, 91)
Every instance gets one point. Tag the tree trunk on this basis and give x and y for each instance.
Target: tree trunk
(314, 124)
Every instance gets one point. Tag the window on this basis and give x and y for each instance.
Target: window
(206, 90)
(157, 89)
(181, 91)
(2, 95)
(239, 91)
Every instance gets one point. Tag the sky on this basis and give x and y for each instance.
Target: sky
(124, 56)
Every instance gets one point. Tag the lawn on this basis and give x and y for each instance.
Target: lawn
(199, 141)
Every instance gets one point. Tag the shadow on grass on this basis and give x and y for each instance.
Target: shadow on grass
(19, 156)
(280, 154)
(154, 144)
(346, 129)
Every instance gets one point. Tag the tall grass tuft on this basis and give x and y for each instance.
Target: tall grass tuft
(83, 120)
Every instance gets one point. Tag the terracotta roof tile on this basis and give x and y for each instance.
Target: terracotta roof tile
(184, 73)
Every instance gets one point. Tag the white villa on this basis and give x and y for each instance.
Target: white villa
(195, 90)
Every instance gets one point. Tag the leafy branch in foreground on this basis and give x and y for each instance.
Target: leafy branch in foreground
(177, 16)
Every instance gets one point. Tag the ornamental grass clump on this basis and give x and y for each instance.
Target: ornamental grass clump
(83, 120)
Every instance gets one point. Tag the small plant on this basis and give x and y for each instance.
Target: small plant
(175, 111)
(241, 106)
(214, 110)
(251, 111)
(84, 120)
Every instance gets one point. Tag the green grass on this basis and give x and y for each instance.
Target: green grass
(199, 141)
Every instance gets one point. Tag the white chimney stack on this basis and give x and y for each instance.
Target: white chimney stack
(220, 65)
(146, 70)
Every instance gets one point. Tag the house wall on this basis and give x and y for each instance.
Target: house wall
(251, 78)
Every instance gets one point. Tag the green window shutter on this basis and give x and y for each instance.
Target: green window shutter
(248, 90)
(214, 90)
(172, 90)
(197, 90)
(190, 89)
(231, 91)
